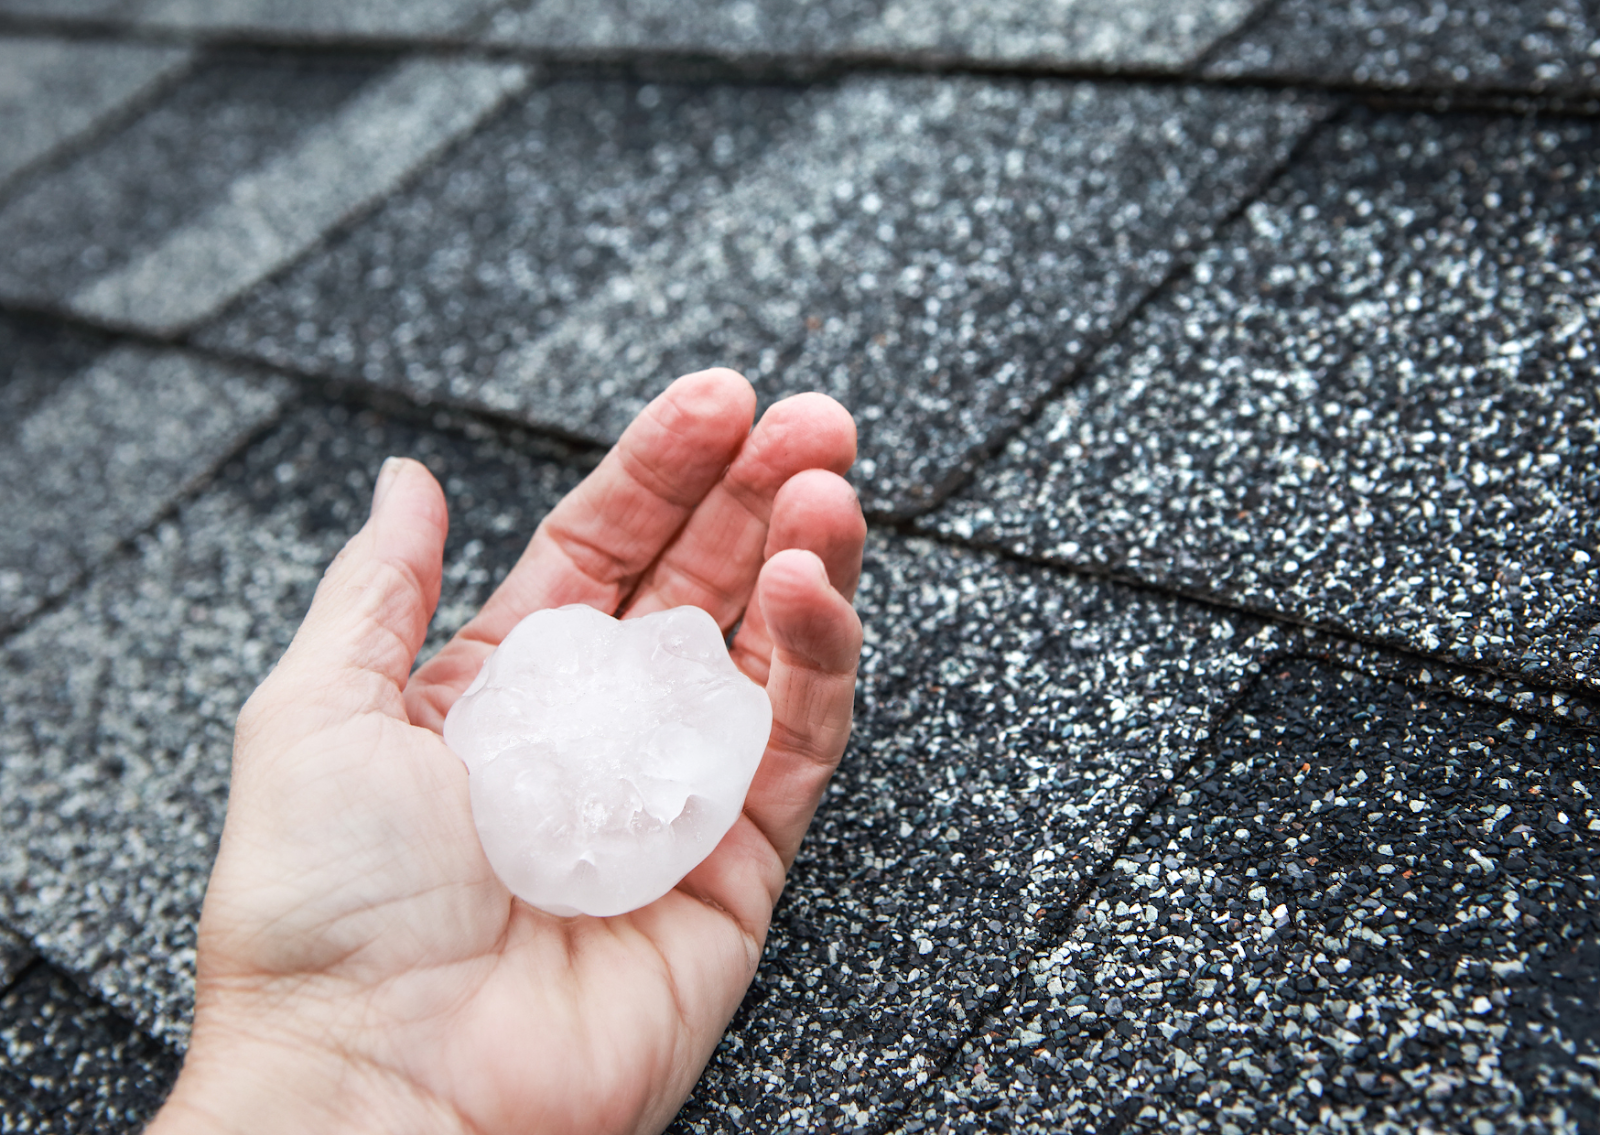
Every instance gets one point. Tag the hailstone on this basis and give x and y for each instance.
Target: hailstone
(607, 759)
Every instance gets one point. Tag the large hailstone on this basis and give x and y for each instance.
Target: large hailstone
(607, 758)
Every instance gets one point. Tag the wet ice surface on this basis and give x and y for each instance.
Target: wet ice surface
(607, 758)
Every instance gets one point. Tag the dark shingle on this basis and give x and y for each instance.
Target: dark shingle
(236, 172)
(934, 253)
(1370, 406)
(1372, 906)
(59, 90)
(1538, 46)
(117, 710)
(1053, 33)
(1009, 721)
(70, 1064)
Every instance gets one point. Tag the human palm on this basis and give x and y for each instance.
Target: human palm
(360, 965)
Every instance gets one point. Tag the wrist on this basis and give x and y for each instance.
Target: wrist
(237, 1081)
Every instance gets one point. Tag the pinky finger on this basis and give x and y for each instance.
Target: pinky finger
(816, 646)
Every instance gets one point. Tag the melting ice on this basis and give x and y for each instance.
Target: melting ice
(607, 758)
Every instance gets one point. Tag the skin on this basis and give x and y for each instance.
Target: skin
(360, 966)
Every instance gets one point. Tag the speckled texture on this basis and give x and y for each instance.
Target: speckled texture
(1339, 375)
(743, 28)
(546, 204)
(1166, 33)
(980, 236)
(274, 213)
(116, 712)
(105, 453)
(274, 19)
(1372, 908)
(36, 357)
(1535, 46)
(65, 231)
(53, 91)
(70, 1064)
(1372, 406)
(1010, 721)
(15, 957)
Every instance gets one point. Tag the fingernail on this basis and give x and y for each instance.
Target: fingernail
(386, 476)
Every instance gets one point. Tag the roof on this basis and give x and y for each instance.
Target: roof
(1226, 378)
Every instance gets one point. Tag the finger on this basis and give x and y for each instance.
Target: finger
(354, 650)
(595, 544)
(713, 562)
(819, 512)
(816, 645)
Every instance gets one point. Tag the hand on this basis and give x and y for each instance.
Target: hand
(360, 965)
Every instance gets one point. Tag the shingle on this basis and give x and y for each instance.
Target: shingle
(1060, 33)
(1542, 46)
(298, 19)
(55, 90)
(106, 452)
(69, 1064)
(1009, 719)
(15, 957)
(1372, 906)
(116, 711)
(1370, 406)
(936, 254)
(236, 173)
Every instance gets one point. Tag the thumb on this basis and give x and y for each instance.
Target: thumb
(354, 651)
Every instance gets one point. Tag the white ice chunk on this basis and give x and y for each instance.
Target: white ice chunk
(607, 758)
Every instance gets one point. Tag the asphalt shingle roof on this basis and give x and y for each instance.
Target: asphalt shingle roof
(1226, 378)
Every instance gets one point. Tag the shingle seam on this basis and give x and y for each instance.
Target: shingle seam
(1183, 262)
(124, 548)
(107, 124)
(1057, 925)
(356, 393)
(1272, 617)
(766, 67)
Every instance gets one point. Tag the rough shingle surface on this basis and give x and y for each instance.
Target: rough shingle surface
(1057, 32)
(233, 175)
(1264, 616)
(1541, 46)
(1010, 722)
(118, 709)
(980, 236)
(1370, 407)
(1372, 908)
(15, 956)
(69, 1064)
(277, 19)
(105, 452)
(53, 91)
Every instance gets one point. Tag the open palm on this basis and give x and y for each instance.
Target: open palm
(360, 965)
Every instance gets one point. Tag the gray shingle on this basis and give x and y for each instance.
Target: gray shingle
(70, 1064)
(1371, 407)
(308, 19)
(53, 91)
(935, 254)
(104, 451)
(1546, 46)
(237, 172)
(1009, 720)
(1062, 33)
(15, 956)
(1372, 907)
(116, 711)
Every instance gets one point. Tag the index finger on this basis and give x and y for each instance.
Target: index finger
(596, 543)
